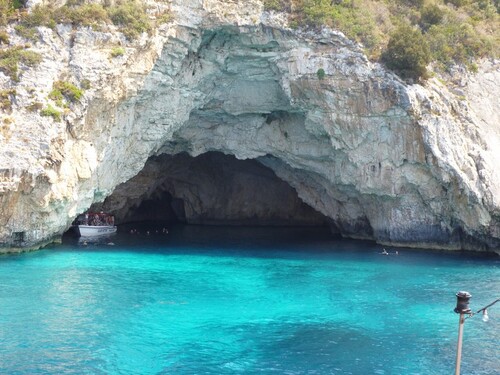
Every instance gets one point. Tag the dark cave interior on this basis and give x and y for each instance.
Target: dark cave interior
(210, 189)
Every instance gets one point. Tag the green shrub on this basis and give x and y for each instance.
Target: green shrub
(431, 15)
(39, 16)
(18, 4)
(407, 53)
(67, 90)
(165, 17)
(317, 12)
(278, 5)
(51, 112)
(4, 37)
(369, 22)
(11, 58)
(82, 15)
(357, 24)
(6, 10)
(117, 51)
(352, 19)
(131, 17)
(457, 43)
(272, 5)
(91, 15)
(29, 33)
(6, 97)
(30, 58)
(320, 73)
(57, 96)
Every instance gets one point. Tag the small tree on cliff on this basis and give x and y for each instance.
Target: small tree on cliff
(407, 53)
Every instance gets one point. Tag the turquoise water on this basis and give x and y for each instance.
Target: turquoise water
(243, 301)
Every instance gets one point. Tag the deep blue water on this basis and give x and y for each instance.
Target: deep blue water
(243, 301)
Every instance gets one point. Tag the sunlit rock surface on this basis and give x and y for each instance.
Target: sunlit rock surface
(399, 164)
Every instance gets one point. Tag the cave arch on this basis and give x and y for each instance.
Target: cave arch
(234, 91)
(347, 144)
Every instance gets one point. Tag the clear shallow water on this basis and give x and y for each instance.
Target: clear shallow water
(243, 301)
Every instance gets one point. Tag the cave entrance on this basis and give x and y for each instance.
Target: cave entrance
(210, 189)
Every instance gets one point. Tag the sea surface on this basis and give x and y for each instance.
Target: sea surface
(202, 300)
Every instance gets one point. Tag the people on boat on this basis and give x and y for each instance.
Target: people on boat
(96, 219)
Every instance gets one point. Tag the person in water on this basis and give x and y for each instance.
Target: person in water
(384, 252)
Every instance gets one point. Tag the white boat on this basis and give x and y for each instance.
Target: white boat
(95, 230)
(94, 224)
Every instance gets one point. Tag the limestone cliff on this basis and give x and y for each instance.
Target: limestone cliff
(400, 164)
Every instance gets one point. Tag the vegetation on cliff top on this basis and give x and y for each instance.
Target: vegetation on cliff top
(407, 34)
(404, 34)
(130, 16)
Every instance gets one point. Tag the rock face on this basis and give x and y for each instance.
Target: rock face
(399, 164)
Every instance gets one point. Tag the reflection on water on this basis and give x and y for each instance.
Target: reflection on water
(241, 300)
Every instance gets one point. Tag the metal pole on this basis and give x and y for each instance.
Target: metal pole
(462, 308)
(459, 344)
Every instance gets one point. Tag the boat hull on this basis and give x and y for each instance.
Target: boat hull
(93, 230)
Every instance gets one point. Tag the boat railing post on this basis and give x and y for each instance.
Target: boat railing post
(462, 309)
